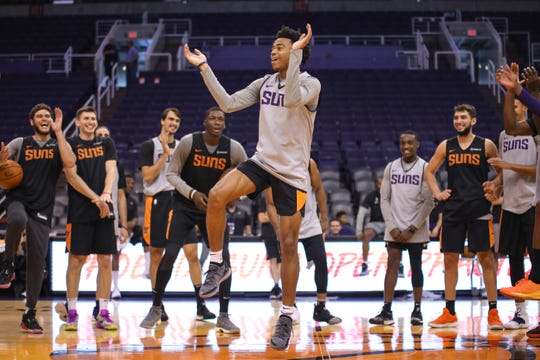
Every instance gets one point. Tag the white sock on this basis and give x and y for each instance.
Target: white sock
(287, 310)
(72, 304)
(147, 262)
(115, 279)
(216, 256)
(522, 308)
(103, 304)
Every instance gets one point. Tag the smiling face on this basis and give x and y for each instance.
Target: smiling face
(87, 124)
(408, 145)
(463, 122)
(214, 123)
(279, 56)
(41, 122)
(170, 124)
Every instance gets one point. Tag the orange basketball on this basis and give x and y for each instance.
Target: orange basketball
(11, 174)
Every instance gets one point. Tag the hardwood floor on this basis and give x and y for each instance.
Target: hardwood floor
(184, 338)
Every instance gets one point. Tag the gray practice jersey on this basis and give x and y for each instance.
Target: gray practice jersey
(160, 183)
(406, 199)
(519, 190)
(286, 118)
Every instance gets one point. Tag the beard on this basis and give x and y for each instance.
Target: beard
(37, 130)
(465, 131)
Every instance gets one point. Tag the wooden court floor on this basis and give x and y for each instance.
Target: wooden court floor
(184, 338)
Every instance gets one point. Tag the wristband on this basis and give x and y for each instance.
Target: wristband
(411, 230)
(201, 64)
(191, 193)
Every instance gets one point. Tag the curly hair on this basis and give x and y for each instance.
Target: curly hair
(289, 33)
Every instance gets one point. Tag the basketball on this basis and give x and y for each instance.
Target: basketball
(11, 175)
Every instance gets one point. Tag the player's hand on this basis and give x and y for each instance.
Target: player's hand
(405, 236)
(304, 39)
(498, 163)
(443, 195)
(105, 197)
(530, 76)
(509, 77)
(200, 200)
(196, 57)
(4, 153)
(124, 235)
(56, 124)
(166, 149)
(102, 207)
(395, 233)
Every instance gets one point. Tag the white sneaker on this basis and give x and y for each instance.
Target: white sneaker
(519, 321)
(115, 295)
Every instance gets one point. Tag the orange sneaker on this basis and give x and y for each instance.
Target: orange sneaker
(445, 320)
(494, 322)
(525, 289)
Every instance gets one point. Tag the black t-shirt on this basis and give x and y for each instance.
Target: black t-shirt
(372, 201)
(91, 158)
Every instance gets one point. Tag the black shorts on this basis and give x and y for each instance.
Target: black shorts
(157, 214)
(181, 228)
(287, 199)
(314, 247)
(516, 232)
(271, 244)
(406, 246)
(478, 233)
(95, 237)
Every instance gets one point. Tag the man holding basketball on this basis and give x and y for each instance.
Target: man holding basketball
(30, 205)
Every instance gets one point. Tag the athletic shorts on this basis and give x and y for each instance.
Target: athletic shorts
(516, 232)
(157, 213)
(94, 237)
(181, 228)
(478, 233)
(405, 246)
(273, 251)
(377, 226)
(314, 247)
(287, 199)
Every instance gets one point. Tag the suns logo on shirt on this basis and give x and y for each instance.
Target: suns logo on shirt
(272, 98)
(209, 162)
(36, 154)
(89, 153)
(458, 159)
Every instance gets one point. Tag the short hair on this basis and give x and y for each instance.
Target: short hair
(411, 132)
(289, 33)
(340, 213)
(87, 108)
(334, 219)
(176, 111)
(38, 107)
(466, 107)
(129, 175)
(212, 109)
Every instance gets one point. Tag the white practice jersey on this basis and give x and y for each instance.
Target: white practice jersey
(519, 190)
(407, 190)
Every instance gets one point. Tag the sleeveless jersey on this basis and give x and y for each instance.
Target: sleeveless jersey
(41, 167)
(467, 171)
(91, 158)
(160, 183)
(202, 169)
(519, 190)
(406, 199)
(285, 135)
